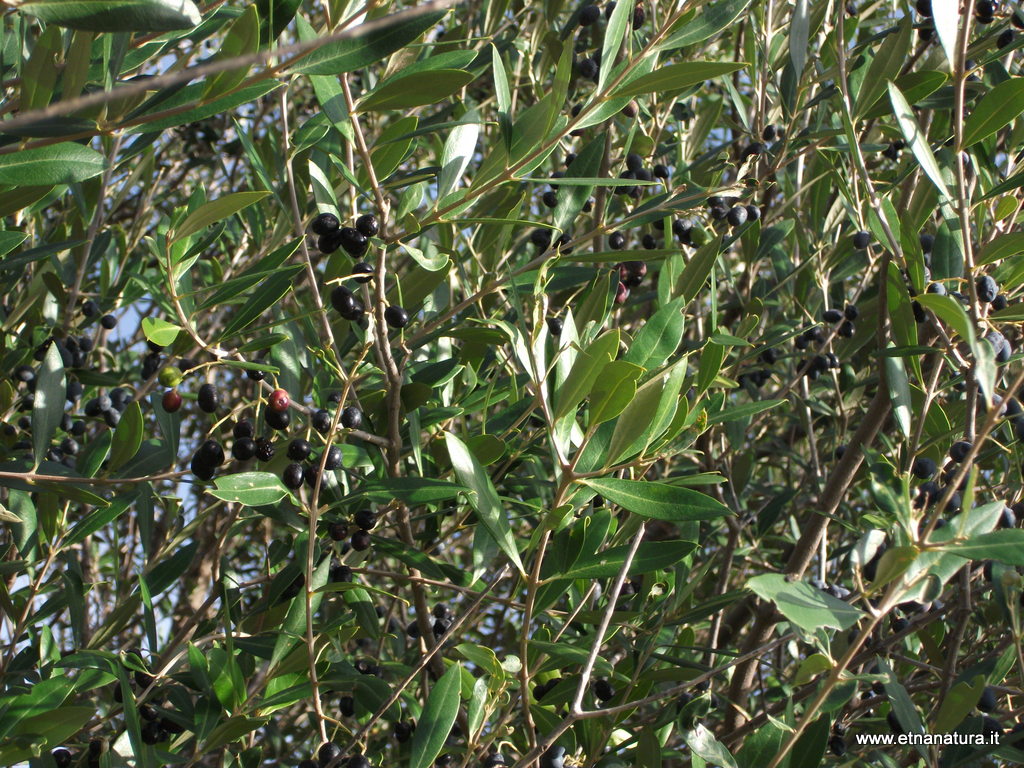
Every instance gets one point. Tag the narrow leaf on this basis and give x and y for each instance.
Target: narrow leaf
(48, 407)
(483, 498)
(917, 141)
(997, 108)
(658, 500)
(435, 724)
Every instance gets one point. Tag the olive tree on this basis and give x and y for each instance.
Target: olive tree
(511, 384)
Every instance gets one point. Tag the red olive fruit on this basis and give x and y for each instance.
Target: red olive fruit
(171, 400)
(279, 400)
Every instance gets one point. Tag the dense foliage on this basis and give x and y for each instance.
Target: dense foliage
(510, 383)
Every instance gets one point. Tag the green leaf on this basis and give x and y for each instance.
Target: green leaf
(270, 292)
(156, 118)
(64, 163)
(41, 698)
(160, 331)
(415, 90)
(899, 392)
(732, 412)
(97, 519)
(711, 19)
(356, 53)
(958, 704)
(11, 240)
(916, 140)
(885, 66)
(571, 201)
(585, 370)
(243, 38)
(697, 270)
(232, 729)
(614, 33)
(483, 498)
(458, 151)
(658, 500)
(411, 490)
(650, 556)
(613, 390)
(634, 423)
(127, 436)
(1005, 546)
(1004, 246)
(116, 15)
(215, 210)
(676, 77)
(806, 607)
(48, 407)
(435, 724)
(252, 489)
(934, 567)
(949, 311)
(945, 16)
(799, 35)
(711, 358)
(997, 108)
(660, 336)
(703, 743)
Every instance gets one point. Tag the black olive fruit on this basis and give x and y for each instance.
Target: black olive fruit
(403, 731)
(324, 224)
(991, 727)
(353, 241)
(61, 757)
(347, 706)
(368, 225)
(243, 428)
(396, 317)
(333, 458)
(277, 419)
(321, 421)
(541, 238)
(360, 540)
(555, 326)
(616, 241)
(603, 690)
(960, 450)
(861, 240)
(737, 216)
(328, 752)
(553, 757)
(208, 398)
(550, 199)
(924, 468)
(108, 321)
(363, 268)
(265, 450)
(299, 449)
(366, 519)
(831, 316)
(1008, 518)
(987, 289)
(152, 733)
(587, 68)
